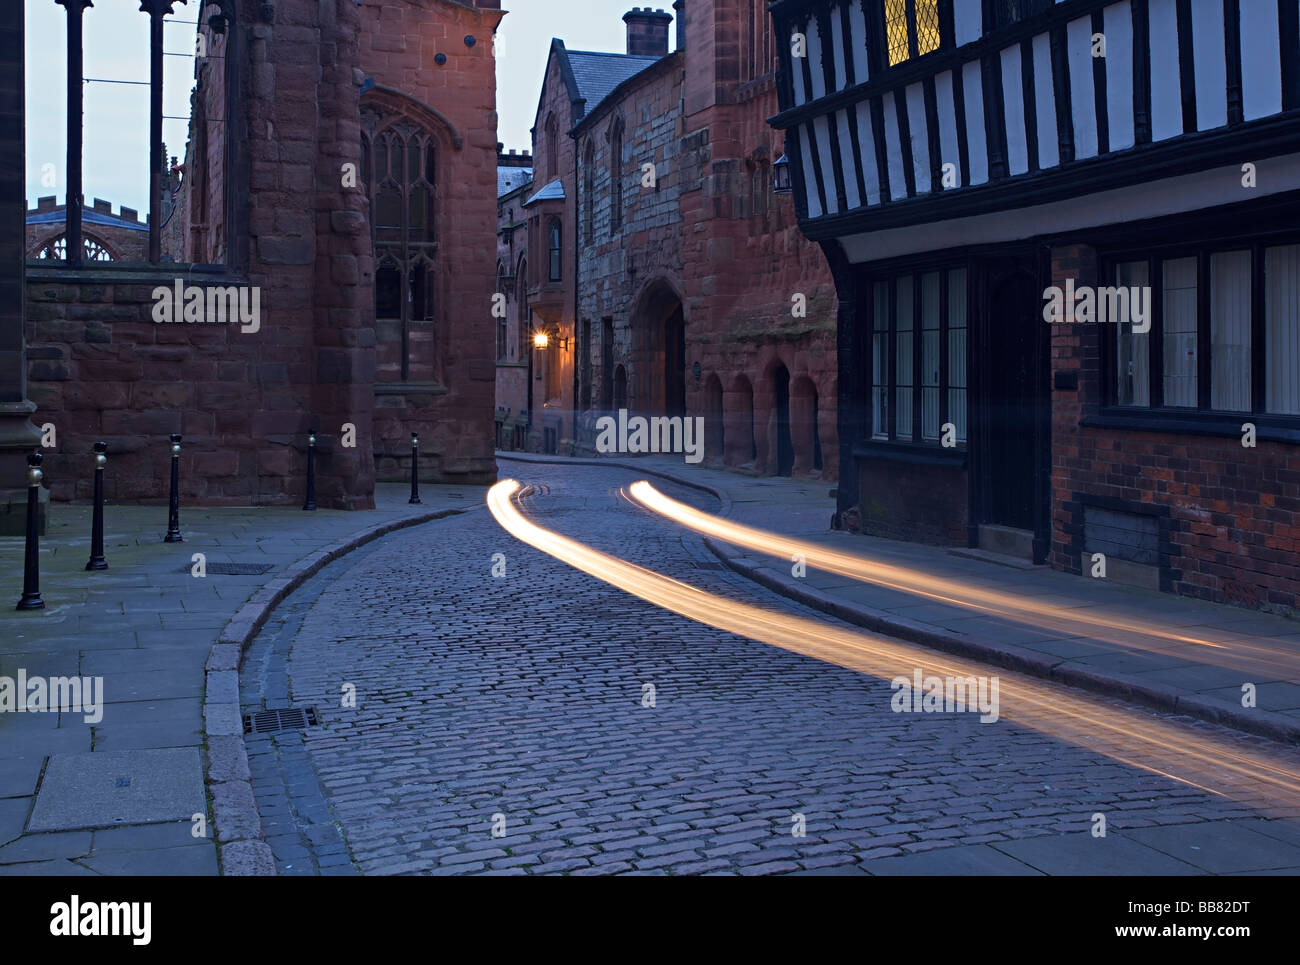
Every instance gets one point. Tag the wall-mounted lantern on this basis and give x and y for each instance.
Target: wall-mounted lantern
(781, 175)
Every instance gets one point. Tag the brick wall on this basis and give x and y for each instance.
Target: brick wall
(915, 502)
(1233, 512)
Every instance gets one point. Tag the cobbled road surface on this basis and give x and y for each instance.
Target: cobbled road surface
(500, 724)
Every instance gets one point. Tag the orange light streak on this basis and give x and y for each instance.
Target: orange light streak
(1268, 782)
(1267, 663)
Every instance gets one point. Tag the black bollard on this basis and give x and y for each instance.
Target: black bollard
(415, 469)
(174, 503)
(97, 561)
(31, 561)
(311, 472)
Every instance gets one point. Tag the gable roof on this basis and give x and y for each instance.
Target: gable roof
(590, 76)
(598, 74)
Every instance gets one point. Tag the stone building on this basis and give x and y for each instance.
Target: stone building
(684, 285)
(340, 169)
(513, 343)
(1065, 241)
(106, 236)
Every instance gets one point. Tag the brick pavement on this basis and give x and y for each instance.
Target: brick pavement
(1206, 682)
(518, 701)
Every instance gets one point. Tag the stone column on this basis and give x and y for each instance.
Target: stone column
(18, 436)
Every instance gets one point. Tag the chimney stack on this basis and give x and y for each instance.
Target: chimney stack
(679, 8)
(647, 32)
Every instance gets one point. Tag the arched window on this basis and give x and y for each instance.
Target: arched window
(616, 176)
(399, 163)
(521, 298)
(552, 147)
(554, 238)
(589, 193)
(56, 249)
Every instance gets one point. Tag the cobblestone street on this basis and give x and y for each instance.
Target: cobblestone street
(515, 704)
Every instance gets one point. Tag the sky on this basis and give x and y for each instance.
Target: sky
(116, 132)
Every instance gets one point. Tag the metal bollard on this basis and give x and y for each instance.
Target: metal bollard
(97, 561)
(310, 502)
(31, 599)
(174, 503)
(415, 469)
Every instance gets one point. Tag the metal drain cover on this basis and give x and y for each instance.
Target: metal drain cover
(273, 721)
(218, 568)
(716, 567)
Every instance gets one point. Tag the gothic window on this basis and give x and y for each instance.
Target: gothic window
(552, 147)
(56, 249)
(616, 176)
(219, 33)
(758, 52)
(399, 164)
(521, 298)
(589, 194)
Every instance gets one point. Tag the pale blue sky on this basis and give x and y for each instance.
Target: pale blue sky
(116, 151)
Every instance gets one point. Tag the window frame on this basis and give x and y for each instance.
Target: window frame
(234, 187)
(915, 438)
(1203, 414)
(942, 27)
(554, 249)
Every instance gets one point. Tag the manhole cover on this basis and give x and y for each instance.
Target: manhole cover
(273, 721)
(233, 569)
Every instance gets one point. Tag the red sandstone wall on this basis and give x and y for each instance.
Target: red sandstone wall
(744, 257)
(1235, 512)
(398, 44)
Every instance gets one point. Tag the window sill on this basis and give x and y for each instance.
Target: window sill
(1271, 428)
(130, 273)
(915, 453)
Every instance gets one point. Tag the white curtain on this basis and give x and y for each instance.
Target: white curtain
(1282, 324)
(1230, 331)
(1179, 318)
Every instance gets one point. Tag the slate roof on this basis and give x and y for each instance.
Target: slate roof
(88, 216)
(509, 178)
(597, 74)
(552, 192)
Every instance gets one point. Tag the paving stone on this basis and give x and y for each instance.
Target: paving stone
(118, 787)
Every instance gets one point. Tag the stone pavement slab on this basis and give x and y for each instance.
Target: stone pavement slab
(146, 626)
(119, 787)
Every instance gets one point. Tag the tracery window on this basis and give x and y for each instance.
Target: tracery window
(399, 165)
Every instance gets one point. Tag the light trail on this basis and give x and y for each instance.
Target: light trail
(1269, 783)
(1263, 662)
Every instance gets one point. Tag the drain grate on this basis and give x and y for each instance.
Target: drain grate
(715, 567)
(273, 721)
(233, 569)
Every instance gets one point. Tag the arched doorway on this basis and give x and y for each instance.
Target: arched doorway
(620, 388)
(784, 442)
(659, 350)
(742, 448)
(804, 429)
(714, 431)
